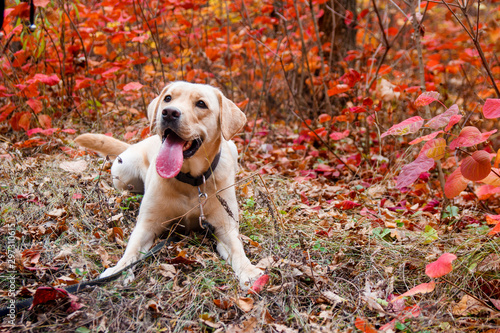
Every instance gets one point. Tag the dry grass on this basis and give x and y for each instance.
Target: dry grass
(308, 270)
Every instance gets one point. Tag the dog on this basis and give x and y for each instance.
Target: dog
(190, 151)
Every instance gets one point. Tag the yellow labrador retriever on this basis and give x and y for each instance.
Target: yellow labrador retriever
(190, 151)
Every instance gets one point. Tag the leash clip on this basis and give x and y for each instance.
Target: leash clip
(202, 198)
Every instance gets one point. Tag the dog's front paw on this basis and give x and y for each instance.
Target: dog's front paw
(249, 276)
(108, 272)
(128, 275)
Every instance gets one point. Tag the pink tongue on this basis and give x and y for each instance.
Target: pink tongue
(169, 159)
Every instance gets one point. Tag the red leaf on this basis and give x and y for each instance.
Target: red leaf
(477, 166)
(77, 196)
(6, 111)
(339, 135)
(110, 72)
(132, 86)
(364, 326)
(470, 136)
(426, 98)
(24, 121)
(141, 38)
(46, 132)
(486, 191)
(422, 288)
(492, 219)
(491, 108)
(440, 267)
(410, 172)
(258, 285)
(495, 230)
(41, 3)
(323, 118)
(455, 184)
(425, 137)
(51, 80)
(35, 104)
(347, 204)
(46, 294)
(303, 198)
(410, 125)
(443, 118)
(492, 179)
(391, 31)
(357, 109)
(45, 121)
(348, 17)
(434, 149)
(338, 89)
(453, 121)
(242, 104)
(81, 84)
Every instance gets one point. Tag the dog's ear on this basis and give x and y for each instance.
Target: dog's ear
(232, 119)
(153, 108)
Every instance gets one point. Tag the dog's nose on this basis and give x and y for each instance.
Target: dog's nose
(171, 114)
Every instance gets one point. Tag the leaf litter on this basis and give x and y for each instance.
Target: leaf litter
(352, 248)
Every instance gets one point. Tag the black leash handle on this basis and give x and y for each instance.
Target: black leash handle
(82, 286)
(2, 13)
(32, 16)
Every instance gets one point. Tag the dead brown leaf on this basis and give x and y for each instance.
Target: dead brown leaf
(244, 303)
(468, 306)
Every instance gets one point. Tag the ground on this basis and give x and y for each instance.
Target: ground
(335, 255)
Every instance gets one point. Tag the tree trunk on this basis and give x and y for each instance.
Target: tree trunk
(334, 29)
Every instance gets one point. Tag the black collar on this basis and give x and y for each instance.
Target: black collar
(197, 181)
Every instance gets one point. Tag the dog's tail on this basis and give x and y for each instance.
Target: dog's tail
(103, 144)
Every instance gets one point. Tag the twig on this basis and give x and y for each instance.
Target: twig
(304, 55)
(475, 40)
(468, 293)
(269, 196)
(353, 173)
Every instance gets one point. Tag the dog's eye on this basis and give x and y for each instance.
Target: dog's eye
(201, 105)
(168, 98)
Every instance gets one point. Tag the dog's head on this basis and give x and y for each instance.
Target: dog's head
(191, 120)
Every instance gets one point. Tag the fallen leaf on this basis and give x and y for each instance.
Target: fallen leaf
(259, 284)
(364, 326)
(223, 304)
(58, 212)
(167, 270)
(440, 267)
(333, 298)
(244, 303)
(422, 288)
(468, 306)
(46, 294)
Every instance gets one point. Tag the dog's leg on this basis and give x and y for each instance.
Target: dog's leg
(231, 249)
(140, 242)
(229, 245)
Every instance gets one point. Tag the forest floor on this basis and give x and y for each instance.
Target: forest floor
(338, 247)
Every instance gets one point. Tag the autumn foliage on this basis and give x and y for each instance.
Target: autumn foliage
(388, 143)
